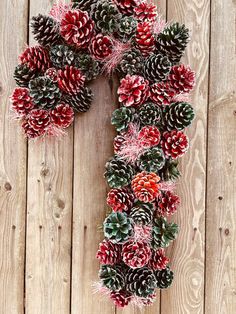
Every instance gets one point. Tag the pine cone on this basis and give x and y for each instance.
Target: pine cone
(119, 142)
(21, 102)
(38, 122)
(141, 282)
(90, 67)
(83, 5)
(173, 41)
(136, 254)
(127, 27)
(121, 298)
(145, 39)
(175, 144)
(142, 213)
(133, 90)
(45, 30)
(62, 116)
(105, 15)
(167, 204)
(77, 28)
(157, 68)
(118, 173)
(112, 277)
(30, 132)
(120, 199)
(131, 63)
(178, 116)
(151, 160)
(36, 58)
(149, 136)
(181, 79)
(122, 117)
(170, 171)
(158, 260)
(163, 233)
(81, 102)
(23, 74)
(118, 227)
(150, 114)
(109, 253)
(45, 92)
(100, 47)
(164, 278)
(70, 80)
(62, 55)
(145, 186)
(162, 93)
(126, 7)
(145, 12)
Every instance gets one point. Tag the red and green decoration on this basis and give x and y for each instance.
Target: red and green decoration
(77, 42)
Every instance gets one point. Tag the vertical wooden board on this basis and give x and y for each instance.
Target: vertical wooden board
(49, 215)
(187, 253)
(13, 36)
(93, 147)
(221, 187)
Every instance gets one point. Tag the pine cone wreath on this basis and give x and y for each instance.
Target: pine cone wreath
(167, 204)
(77, 28)
(81, 101)
(149, 136)
(23, 74)
(141, 282)
(162, 93)
(36, 58)
(105, 15)
(44, 92)
(131, 63)
(142, 214)
(21, 102)
(120, 200)
(112, 277)
(127, 27)
(62, 56)
(158, 260)
(70, 80)
(62, 116)
(163, 233)
(118, 227)
(37, 123)
(122, 117)
(178, 116)
(109, 253)
(133, 90)
(181, 79)
(145, 186)
(170, 171)
(91, 68)
(145, 11)
(151, 160)
(136, 254)
(150, 114)
(145, 39)
(126, 7)
(175, 144)
(100, 47)
(173, 41)
(157, 68)
(45, 30)
(164, 278)
(121, 298)
(83, 5)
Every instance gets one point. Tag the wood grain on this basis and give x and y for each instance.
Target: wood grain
(49, 215)
(12, 162)
(187, 253)
(221, 187)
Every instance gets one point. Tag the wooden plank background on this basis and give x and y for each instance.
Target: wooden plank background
(52, 194)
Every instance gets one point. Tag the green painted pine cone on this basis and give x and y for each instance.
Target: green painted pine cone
(131, 63)
(163, 233)
(118, 173)
(157, 68)
(142, 213)
(112, 277)
(178, 116)
(164, 278)
(170, 171)
(23, 75)
(91, 68)
(151, 160)
(44, 92)
(173, 41)
(62, 55)
(122, 117)
(150, 114)
(127, 27)
(81, 102)
(83, 5)
(141, 281)
(118, 227)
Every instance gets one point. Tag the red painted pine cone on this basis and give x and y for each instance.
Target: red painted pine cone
(36, 58)
(121, 298)
(118, 143)
(162, 93)
(136, 254)
(21, 101)
(120, 199)
(70, 80)
(126, 7)
(145, 39)
(133, 90)
(158, 260)
(149, 136)
(109, 253)
(62, 116)
(100, 47)
(77, 28)
(175, 144)
(181, 79)
(145, 12)
(37, 123)
(145, 186)
(167, 204)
